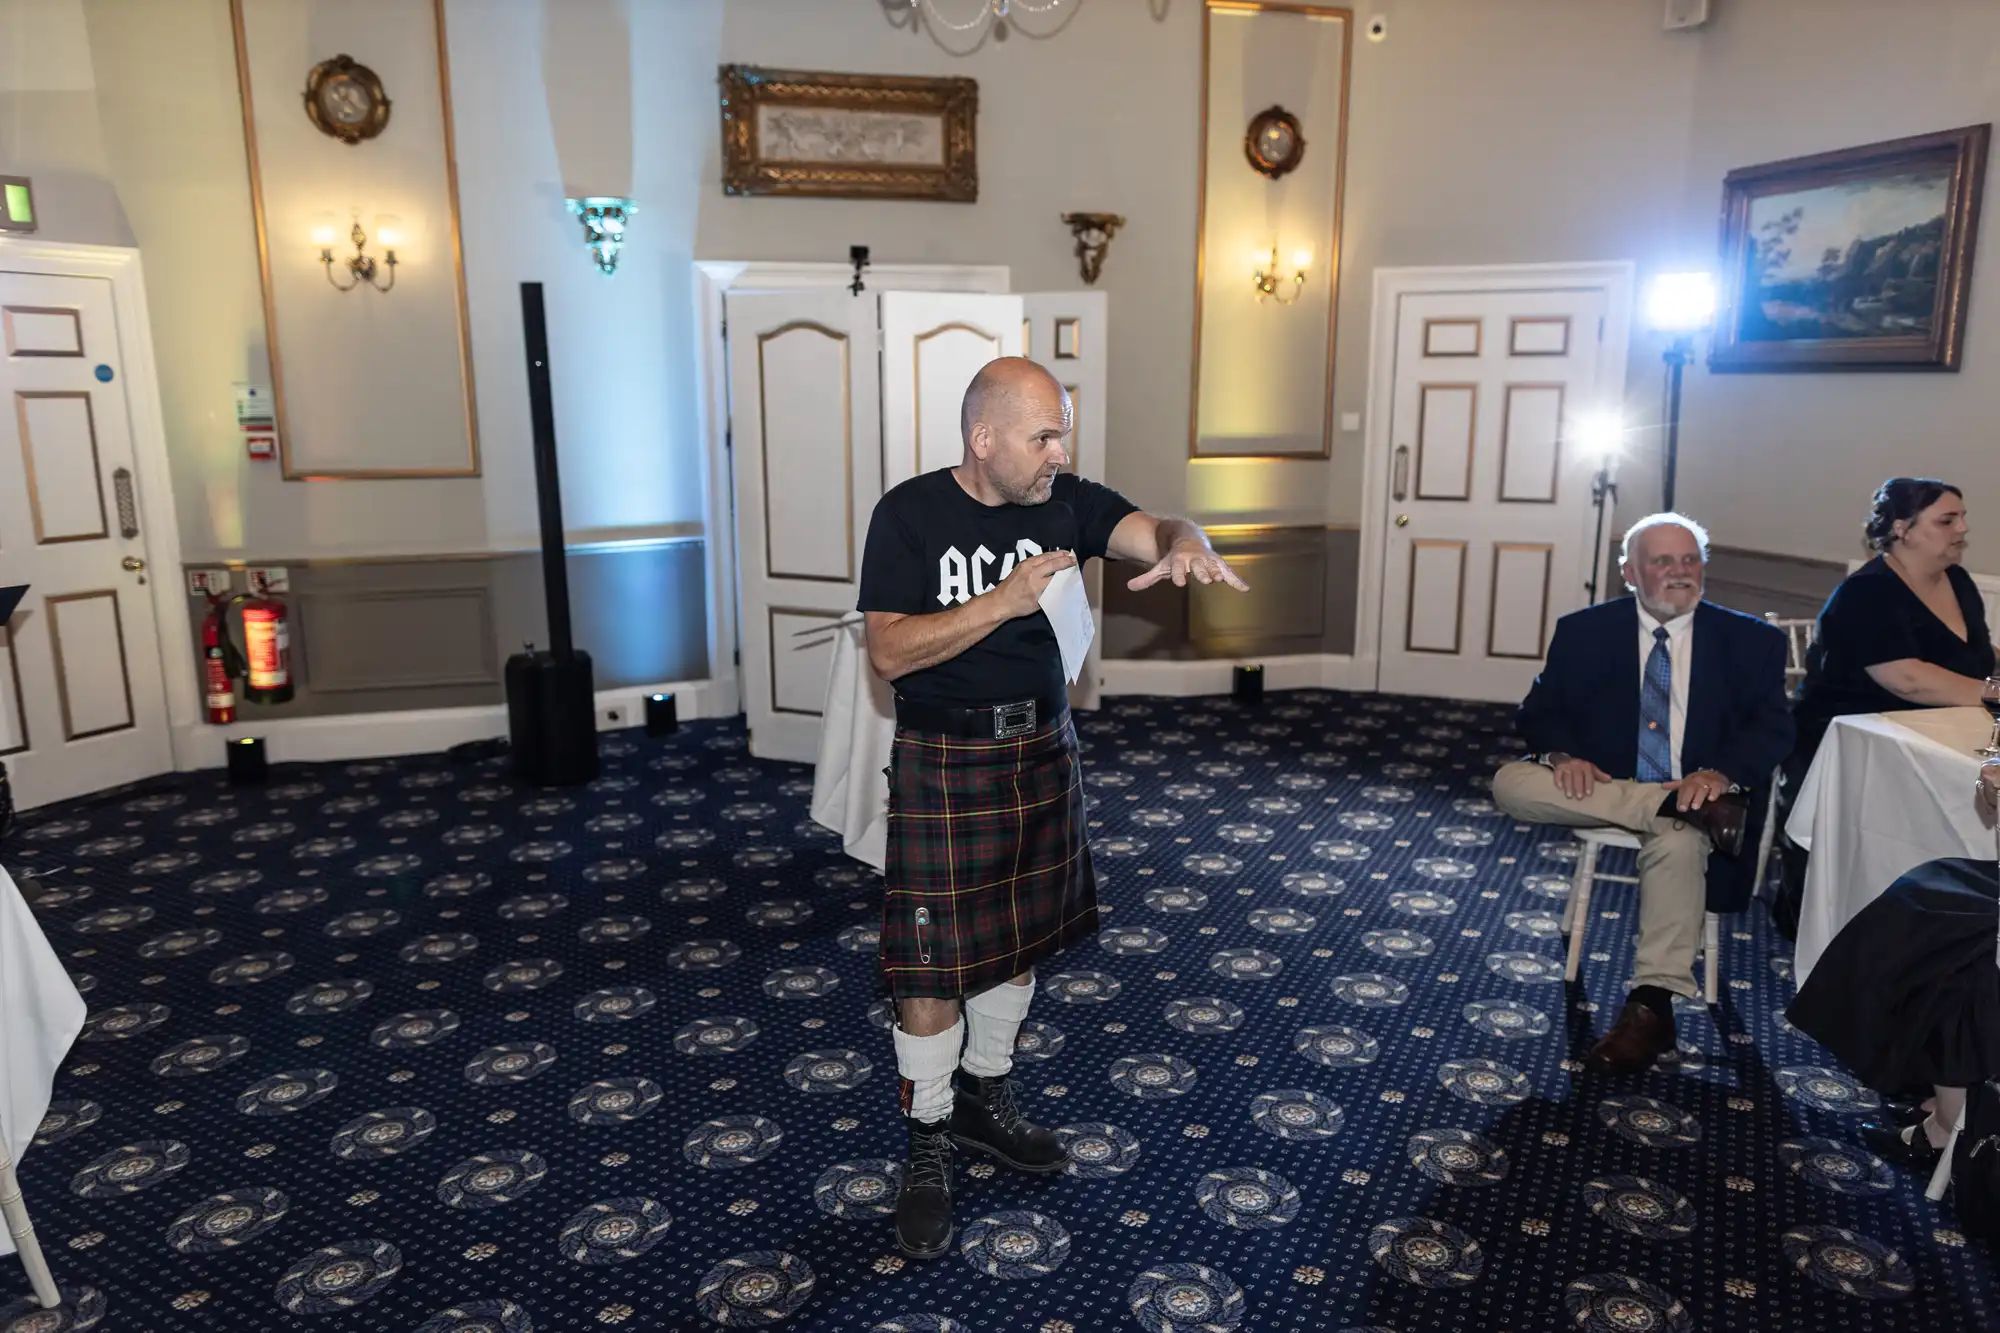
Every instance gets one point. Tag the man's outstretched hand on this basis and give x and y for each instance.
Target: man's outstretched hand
(1190, 560)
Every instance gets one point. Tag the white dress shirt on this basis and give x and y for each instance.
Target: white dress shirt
(1680, 651)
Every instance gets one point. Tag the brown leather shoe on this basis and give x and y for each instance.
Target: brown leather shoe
(1639, 1038)
(1722, 819)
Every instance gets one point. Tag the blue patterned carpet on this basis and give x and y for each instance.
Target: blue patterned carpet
(397, 1046)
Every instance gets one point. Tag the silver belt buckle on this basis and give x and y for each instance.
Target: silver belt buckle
(1013, 719)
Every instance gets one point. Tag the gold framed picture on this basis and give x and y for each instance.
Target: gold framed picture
(1854, 259)
(848, 136)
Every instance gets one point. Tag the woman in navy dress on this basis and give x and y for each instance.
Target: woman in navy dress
(1906, 630)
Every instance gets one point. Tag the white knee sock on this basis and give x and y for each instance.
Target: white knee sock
(992, 1018)
(925, 1064)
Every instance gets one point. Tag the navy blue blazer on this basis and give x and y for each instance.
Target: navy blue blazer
(1585, 703)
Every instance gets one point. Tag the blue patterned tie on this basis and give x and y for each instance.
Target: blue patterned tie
(1656, 701)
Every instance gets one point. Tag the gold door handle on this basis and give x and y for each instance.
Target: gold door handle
(1402, 520)
(133, 563)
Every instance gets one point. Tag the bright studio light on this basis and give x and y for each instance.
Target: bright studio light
(1681, 302)
(1601, 435)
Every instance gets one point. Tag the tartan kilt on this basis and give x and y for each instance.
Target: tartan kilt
(989, 866)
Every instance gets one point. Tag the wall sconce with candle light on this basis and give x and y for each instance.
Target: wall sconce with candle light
(1270, 282)
(361, 266)
(604, 218)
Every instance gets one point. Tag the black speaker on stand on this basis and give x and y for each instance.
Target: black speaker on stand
(551, 701)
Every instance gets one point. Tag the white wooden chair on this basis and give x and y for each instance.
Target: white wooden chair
(1798, 638)
(23, 1231)
(1576, 915)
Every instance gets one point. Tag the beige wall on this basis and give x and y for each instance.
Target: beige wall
(172, 157)
(530, 95)
(49, 126)
(1538, 130)
(1543, 130)
(1820, 444)
(1102, 118)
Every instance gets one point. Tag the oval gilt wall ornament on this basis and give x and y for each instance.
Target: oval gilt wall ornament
(346, 100)
(1274, 143)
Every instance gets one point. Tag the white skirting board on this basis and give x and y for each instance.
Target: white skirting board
(427, 730)
(1302, 671)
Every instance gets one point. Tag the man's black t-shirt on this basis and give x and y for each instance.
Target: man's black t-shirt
(931, 547)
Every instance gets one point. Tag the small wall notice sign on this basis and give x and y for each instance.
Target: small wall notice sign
(17, 204)
(257, 420)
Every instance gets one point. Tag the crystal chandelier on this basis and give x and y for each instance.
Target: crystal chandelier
(971, 20)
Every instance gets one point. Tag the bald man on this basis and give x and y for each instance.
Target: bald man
(989, 871)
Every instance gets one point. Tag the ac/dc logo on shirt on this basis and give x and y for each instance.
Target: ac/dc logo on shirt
(962, 578)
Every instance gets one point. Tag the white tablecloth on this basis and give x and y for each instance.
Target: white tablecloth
(40, 1016)
(1886, 793)
(850, 783)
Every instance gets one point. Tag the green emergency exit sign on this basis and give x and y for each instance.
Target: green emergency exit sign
(17, 204)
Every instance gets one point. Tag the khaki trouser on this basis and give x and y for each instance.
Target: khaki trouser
(1673, 862)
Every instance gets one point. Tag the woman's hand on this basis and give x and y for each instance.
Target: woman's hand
(1988, 790)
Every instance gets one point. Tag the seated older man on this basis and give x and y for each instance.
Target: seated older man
(1658, 714)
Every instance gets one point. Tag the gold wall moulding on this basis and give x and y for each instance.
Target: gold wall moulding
(848, 136)
(291, 467)
(1233, 361)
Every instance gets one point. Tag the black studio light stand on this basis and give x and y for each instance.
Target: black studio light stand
(551, 701)
(1679, 305)
(1602, 436)
(1677, 356)
(1603, 494)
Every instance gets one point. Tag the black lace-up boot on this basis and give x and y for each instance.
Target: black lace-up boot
(923, 1210)
(985, 1118)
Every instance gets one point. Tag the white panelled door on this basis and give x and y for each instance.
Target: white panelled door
(82, 705)
(805, 433)
(1068, 333)
(933, 343)
(1488, 505)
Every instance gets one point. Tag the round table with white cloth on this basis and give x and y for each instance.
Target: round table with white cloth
(1886, 792)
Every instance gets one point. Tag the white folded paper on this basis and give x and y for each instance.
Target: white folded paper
(1067, 606)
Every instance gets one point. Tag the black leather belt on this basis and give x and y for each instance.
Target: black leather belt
(999, 722)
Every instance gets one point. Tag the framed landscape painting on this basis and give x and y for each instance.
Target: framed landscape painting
(848, 136)
(1852, 260)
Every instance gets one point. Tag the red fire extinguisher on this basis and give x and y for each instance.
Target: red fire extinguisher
(267, 643)
(217, 654)
(267, 672)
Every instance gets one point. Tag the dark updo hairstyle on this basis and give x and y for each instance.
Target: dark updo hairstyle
(1901, 499)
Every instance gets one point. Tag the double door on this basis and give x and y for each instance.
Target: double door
(833, 399)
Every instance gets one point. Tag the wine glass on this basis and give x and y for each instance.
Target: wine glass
(1990, 696)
